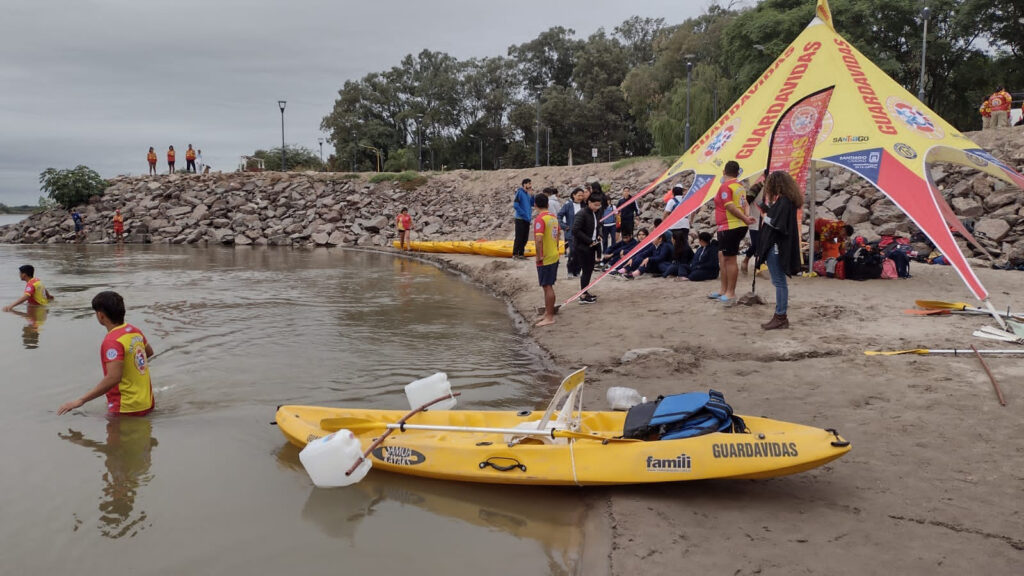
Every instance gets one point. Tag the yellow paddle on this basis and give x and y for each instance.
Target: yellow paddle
(925, 352)
(962, 307)
(360, 426)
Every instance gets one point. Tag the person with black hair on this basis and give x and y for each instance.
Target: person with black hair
(124, 354)
(566, 217)
(545, 234)
(732, 221)
(522, 204)
(681, 251)
(627, 214)
(587, 244)
(35, 293)
(704, 265)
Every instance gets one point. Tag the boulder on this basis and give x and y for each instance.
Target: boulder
(992, 228)
(837, 202)
(320, 238)
(967, 207)
(337, 238)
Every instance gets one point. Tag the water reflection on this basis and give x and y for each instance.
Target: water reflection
(552, 517)
(127, 457)
(35, 317)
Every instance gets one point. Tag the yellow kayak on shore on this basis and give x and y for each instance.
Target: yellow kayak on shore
(495, 248)
(566, 447)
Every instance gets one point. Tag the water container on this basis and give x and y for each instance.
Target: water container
(623, 398)
(430, 388)
(327, 459)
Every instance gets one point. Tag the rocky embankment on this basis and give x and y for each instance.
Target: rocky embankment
(325, 209)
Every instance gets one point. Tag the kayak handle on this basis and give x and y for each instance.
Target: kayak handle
(838, 442)
(501, 468)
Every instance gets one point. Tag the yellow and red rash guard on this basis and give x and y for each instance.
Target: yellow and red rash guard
(151, 157)
(190, 154)
(36, 292)
(545, 225)
(133, 395)
(1000, 101)
(170, 155)
(730, 192)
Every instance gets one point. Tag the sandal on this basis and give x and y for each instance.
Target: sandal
(714, 296)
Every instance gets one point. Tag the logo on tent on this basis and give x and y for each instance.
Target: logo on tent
(804, 119)
(827, 124)
(977, 160)
(905, 150)
(914, 118)
(719, 140)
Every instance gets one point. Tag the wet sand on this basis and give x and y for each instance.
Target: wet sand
(934, 483)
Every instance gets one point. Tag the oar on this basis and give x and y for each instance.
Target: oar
(963, 307)
(362, 425)
(919, 312)
(997, 334)
(953, 351)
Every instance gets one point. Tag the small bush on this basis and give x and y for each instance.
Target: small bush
(383, 177)
(72, 187)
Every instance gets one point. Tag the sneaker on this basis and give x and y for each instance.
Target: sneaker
(586, 299)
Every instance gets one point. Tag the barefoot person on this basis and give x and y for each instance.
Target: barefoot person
(118, 225)
(125, 357)
(35, 293)
(732, 221)
(404, 224)
(545, 238)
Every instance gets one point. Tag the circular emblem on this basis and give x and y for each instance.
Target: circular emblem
(977, 160)
(914, 118)
(718, 141)
(804, 119)
(140, 359)
(904, 150)
(827, 124)
(111, 354)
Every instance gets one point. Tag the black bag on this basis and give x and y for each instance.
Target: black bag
(863, 263)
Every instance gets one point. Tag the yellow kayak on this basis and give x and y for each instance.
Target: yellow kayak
(481, 446)
(495, 248)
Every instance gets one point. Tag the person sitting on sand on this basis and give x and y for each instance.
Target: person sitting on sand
(657, 262)
(125, 356)
(35, 293)
(633, 262)
(704, 265)
(616, 251)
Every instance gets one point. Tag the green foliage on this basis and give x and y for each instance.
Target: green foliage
(71, 187)
(23, 209)
(401, 160)
(408, 180)
(296, 158)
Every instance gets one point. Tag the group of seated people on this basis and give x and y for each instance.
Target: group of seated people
(840, 254)
(659, 258)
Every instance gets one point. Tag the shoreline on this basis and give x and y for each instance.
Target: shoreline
(928, 487)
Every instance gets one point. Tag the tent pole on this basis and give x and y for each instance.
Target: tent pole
(812, 193)
(995, 313)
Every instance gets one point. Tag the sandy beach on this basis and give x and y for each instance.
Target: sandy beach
(934, 483)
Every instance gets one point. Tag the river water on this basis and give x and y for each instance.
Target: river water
(205, 485)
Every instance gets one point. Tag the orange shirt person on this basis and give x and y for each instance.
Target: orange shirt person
(1000, 102)
(151, 159)
(118, 225)
(170, 160)
(404, 224)
(190, 160)
(35, 293)
(125, 357)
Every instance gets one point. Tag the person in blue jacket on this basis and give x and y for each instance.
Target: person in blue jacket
(658, 259)
(566, 215)
(523, 205)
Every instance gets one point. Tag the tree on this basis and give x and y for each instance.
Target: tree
(296, 158)
(71, 187)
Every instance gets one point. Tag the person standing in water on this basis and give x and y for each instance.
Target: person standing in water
(124, 355)
(35, 293)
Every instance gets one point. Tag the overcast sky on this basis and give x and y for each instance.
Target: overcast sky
(97, 82)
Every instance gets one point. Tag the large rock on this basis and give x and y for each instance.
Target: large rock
(991, 228)
(885, 211)
(320, 238)
(337, 238)
(179, 211)
(837, 202)
(967, 207)
(1000, 199)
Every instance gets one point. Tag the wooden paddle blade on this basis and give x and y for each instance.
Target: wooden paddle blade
(940, 305)
(937, 312)
(921, 351)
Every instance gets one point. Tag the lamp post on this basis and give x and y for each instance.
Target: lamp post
(536, 148)
(549, 145)
(419, 139)
(924, 47)
(686, 130)
(321, 140)
(355, 149)
(280, 104)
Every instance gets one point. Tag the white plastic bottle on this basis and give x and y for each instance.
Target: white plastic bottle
(327, 459)
(424, 390)
(624, 398)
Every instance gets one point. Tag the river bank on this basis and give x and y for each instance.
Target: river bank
(932, 486)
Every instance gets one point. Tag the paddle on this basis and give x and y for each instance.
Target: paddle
(997, 334)
(919, 312)
(362, 425)
(963, 307)
(925, 352)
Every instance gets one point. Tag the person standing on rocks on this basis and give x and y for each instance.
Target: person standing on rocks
(125, 355)
(1000, 102)
(118, 226)
(199, 161)
(170, 159)
(190, 160)
(779, 245)
(523, 206)
(403, 222)
(76, 219)
(986, 114)
(35, 293)
(732, 220)
(151, 158)
(545, 238)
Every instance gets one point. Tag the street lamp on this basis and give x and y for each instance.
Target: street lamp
(924, 47)
(321, 153)
(536, 149)
(686, 130)
(419, 139)
(549, 146)
(280, 104)
(355, 149)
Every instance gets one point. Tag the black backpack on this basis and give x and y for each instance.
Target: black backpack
(863, 263)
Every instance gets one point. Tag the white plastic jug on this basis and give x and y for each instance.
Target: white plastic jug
(327, 459)
(623, 398)
(430, 388)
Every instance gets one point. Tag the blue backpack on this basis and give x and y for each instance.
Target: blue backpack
(682, 416)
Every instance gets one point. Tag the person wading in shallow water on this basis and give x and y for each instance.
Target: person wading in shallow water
(124, 355)
(35, 293)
